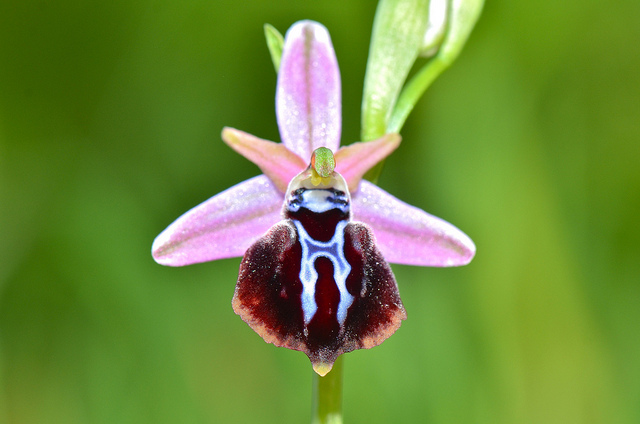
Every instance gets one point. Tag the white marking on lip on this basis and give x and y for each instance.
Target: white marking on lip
(319, 201)
(332, 250)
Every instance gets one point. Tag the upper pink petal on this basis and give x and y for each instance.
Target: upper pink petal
(308, 97)
(408, 235)
(223, 226)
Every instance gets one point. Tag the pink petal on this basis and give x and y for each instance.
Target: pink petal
(354, 160)
(408, 235)
(223, 226)
(308, 98)
(274, 159)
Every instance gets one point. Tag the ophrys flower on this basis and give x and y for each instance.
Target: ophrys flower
(315, 237)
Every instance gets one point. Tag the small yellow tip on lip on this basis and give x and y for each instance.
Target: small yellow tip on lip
(322, 368)
(317, 179)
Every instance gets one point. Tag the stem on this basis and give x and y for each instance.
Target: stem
(327, 396)
(414, 90)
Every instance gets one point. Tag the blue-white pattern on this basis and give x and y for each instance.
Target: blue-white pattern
(332, 250)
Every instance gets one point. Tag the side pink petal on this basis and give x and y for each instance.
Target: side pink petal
(274, 159)
(408, 235)
(223, 226)
(308, 96)
(354, 160)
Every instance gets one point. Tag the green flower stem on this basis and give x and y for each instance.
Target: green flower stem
(327, 396)
(463, 15)
(413, 91)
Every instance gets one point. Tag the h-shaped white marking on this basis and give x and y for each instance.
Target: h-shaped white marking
(332, 250)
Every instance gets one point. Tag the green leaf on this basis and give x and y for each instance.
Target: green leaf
(462, 16)
(398, 33)
(275, 41)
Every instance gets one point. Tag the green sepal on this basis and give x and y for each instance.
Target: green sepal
(275, 41)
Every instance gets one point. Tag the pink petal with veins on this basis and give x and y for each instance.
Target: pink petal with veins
(223, 226)
(308, 94)
(408, 235)
(274, 159)
(354, 160)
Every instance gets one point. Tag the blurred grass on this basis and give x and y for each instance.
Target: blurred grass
(110, 117)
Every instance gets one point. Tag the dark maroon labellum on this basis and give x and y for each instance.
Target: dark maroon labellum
(316, 282)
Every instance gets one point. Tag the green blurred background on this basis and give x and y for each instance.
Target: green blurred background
(110, 115)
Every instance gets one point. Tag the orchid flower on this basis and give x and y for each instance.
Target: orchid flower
(315, 237)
